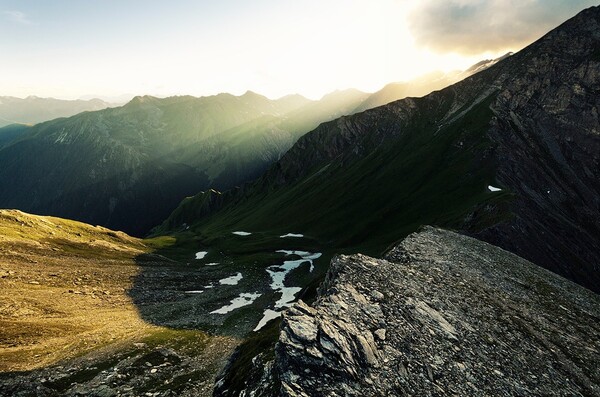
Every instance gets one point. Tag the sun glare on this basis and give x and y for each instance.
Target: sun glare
(274, 48)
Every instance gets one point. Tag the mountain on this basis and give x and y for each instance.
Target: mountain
(33, 110)
(440, 314)
(128, 167)
(12, 132)
(423, 85)
(510, 155)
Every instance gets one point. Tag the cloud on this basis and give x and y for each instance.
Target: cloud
(472, 27)
(17, 17)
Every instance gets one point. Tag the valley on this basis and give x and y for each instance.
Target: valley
(85, 307)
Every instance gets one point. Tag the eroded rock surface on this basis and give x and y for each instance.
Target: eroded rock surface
(443, 314)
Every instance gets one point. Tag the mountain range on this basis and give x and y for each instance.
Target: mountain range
(509, 155)
(33, 109)
(128, 167)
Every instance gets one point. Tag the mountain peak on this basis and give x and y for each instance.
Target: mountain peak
(142, 98)
(528, 124)
(252, 94)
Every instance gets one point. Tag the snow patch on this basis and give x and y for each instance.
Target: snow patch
(244, 299)
(201, 254)
(306, 256)
(231, 280)
(493, 188)
(268, 315)
(292, 235)
(240, 233)
(279, 273)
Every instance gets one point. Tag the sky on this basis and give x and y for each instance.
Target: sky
(71, 48)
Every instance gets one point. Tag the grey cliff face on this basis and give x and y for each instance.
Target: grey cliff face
(547, 135)
(443, 314)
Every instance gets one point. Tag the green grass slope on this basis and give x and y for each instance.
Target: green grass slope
(368, 202)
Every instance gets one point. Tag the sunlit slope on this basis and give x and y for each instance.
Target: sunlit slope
(128, 167)
(63, 289)
(366, 196)
(423, 85)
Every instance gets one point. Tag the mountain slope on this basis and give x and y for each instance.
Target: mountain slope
(440, 314)
(12, 132)
(127, 168)
(423, 85)
(69, 324)
(33, 110)
(527, 125)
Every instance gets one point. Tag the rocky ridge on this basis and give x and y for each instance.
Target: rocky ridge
(442, 314)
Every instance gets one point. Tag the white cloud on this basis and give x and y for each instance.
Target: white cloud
(17, 17)
(475, 26)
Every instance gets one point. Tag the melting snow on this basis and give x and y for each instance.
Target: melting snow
(299, 253)
(267, 316)
(231, 280)
(494, 189)
(292, 235)
(244, 299)
(288, 294)
(201, 254)
(242, 233)
(278, 275)
(306, 256)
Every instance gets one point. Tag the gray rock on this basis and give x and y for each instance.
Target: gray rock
(462, 318)
(380, 334)
(377, 296)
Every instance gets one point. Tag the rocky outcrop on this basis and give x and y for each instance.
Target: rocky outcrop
(442, 314)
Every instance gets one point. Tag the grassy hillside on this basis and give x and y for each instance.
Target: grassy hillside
(418, 177)
(67, 313)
